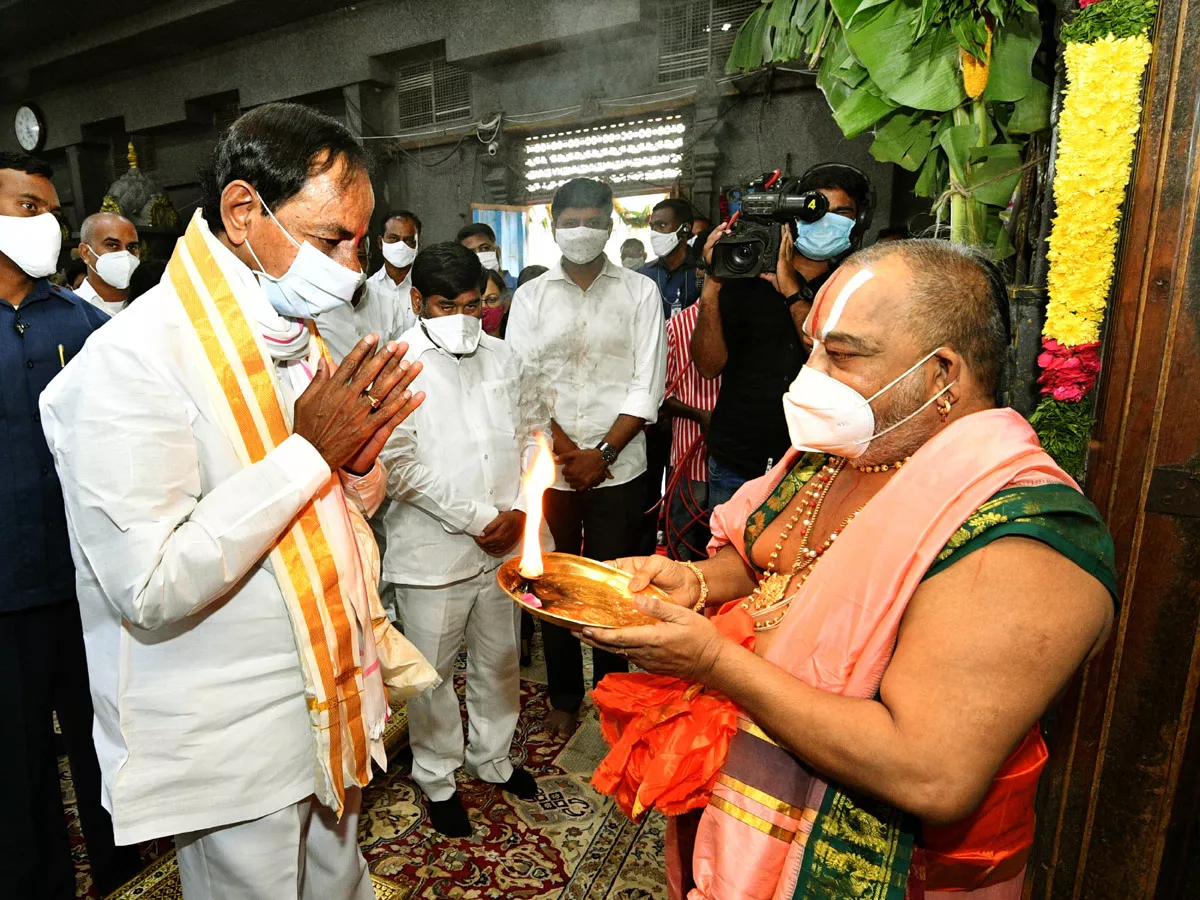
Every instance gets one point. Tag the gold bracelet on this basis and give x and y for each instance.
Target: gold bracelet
(695, 570)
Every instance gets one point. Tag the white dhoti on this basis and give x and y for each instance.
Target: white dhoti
(436, 620)
(301, 852)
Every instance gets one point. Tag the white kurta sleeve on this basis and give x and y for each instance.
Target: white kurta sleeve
(367, 492)
(410, 480)
(645, 394)
(160, 546)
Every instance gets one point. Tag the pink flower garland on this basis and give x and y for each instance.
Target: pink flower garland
(1083, 4)
(1068, 372)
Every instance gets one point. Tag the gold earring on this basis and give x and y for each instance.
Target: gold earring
(943, 407)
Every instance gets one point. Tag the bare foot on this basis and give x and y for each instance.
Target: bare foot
(561, 724)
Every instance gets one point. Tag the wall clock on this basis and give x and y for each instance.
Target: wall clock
(30, 128)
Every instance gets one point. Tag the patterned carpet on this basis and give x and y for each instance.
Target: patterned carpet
(568, 843)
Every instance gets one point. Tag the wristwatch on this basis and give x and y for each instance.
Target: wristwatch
(608, 452)
(805, 293)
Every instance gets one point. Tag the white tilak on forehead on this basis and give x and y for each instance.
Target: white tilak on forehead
(857, 280)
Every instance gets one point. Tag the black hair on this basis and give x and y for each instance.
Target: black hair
(680, 209)
(473, 228)
(23, 162)
(401, 214)
(146, 276)
(582, 193)
(857, 186)
(529, 273)
(496, 278)
(277, 148)
(447, 269)
(959, 298)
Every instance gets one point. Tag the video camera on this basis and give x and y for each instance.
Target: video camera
(752, 244)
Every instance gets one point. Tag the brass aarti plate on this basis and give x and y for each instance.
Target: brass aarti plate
(577, 593)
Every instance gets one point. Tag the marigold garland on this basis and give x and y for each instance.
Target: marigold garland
(1097, 133)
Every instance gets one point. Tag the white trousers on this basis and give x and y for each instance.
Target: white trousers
(301, 852)
(437, 620)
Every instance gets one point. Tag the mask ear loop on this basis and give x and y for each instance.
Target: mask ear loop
(262, 270)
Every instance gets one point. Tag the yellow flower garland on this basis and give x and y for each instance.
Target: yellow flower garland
(1097, 131)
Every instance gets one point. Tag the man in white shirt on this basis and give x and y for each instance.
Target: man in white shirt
(109, 247)
(383, 306)
(594, 333)
(454, 476)
(212, 483)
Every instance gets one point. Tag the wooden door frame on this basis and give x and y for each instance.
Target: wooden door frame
(1118, 810)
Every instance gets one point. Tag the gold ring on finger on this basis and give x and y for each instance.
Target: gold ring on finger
(375, 404)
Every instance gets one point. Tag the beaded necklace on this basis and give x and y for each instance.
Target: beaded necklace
(769, 602)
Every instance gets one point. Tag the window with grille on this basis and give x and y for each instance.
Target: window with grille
(694, 35)
(433, 93)
(630, 155)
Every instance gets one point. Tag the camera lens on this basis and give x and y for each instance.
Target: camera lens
(743, 255)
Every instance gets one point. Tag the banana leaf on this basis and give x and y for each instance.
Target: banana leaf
(1010, 76)
(994, 173)
(862, 7)
(751, 44)
(904, 139)
(957, 141)
(932, 180)
(1032, 112)
(923, 76)
(856, 103)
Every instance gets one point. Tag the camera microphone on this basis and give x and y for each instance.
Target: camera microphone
(20, 327)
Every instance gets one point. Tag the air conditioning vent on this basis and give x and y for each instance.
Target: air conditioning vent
(695, 36)
(433, 93)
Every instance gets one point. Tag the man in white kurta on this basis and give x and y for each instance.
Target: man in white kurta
(110, 248)
(454, 476)
(384, 305)
(202, 722)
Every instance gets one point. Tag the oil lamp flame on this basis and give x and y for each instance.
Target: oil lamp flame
(540, 476)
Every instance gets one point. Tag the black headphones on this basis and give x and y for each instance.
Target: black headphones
(856, 183)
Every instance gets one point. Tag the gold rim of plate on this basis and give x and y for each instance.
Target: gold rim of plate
(609, 581)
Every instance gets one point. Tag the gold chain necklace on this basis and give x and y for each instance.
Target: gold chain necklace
(772, 585)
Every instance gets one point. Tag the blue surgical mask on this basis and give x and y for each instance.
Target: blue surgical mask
(825, 238)
(312, 285)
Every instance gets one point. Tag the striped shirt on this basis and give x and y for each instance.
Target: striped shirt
(686, 385)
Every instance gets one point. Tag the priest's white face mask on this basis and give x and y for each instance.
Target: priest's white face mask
(826, 415)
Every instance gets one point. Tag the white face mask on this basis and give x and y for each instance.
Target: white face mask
(32, 242)
(489, 260)
(116, 268)
(826, 416)
(663, 244)
(400, 254)
(581, 245)
(633, 262)
(313, 283)
(458, 334)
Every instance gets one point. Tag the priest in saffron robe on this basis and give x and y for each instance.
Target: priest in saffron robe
(844, 699)
(217, 468)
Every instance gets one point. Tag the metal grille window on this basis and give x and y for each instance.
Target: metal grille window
(694, 35)
(433, 93)
(642, 153)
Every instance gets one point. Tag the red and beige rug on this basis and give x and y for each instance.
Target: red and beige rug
(570, 842)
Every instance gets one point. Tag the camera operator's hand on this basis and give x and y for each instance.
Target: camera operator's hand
(785, 278)
(717, 233)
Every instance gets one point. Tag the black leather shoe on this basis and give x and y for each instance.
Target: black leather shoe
(449, 818)
(521, 784)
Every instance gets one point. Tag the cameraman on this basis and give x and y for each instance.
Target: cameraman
(749, 329)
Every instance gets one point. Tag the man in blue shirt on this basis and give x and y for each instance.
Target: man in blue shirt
(673, 269)
(42, 663)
